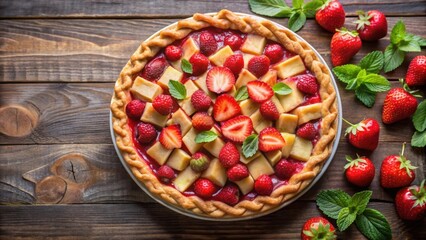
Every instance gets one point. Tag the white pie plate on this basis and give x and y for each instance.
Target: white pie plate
(193, 215)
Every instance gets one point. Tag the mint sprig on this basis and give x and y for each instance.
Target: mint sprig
(186, 66)
(363, 78)
(298, 13)
(419, 121)
(241, 94)
(177, 89)
(250, 145)
(206, 136)
(282, 89)
(401, 42)
(346, 210)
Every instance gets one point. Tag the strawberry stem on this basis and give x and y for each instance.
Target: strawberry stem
(346, 121)
(403, 149)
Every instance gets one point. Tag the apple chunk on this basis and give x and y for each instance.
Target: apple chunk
(289, 142)
(159, 153)
(169, 74)
(292, 100)
(185, 179)
(179, 117)
(216, 173)
(287, 123)
(254, 44)
(302, 149)
(260, 166)
(150, 115)
(244, 78)
(220, 56)
(309, 112)
(246, 185)
(179, 159)
(290, 67)
(145, 90)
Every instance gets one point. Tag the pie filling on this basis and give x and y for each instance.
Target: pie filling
(297, 108)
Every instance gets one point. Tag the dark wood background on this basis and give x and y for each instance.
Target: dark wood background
(59, 174)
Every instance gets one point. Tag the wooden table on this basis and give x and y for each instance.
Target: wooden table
(59, 174)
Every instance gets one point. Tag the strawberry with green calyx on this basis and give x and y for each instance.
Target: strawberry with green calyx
(318, 228)
(359, 171)
(416, 73)
(372, 25)
(344, 45)
(410, 202)
(400, 103)
(396, 171)
(331, 15)
(365, 134)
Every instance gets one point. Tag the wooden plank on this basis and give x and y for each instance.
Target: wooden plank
(153, 221)
(96, 50)
(94, 174)
(165, 8)
(79, 112)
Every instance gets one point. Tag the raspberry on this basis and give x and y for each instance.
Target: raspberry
(134, 109)
(165, 174)
(259, 65)
(145, 133)
(237, 172)
(269, 110)
(235, 63)
(202, 121)
(274, 52)
(163, 104)
(234, 41)
(208, 43)
(263, 185)
(201, 101)
(173, 53)
(307, 83)
(204, 188)
(199, 64)
(307, 131)
(229, 155)
(284, 169)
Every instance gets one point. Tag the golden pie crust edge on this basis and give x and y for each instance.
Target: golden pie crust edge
(224, 19)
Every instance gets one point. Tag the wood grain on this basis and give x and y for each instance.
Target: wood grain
(165, 9)
(101, 178)
(153, 221)
(96, 50)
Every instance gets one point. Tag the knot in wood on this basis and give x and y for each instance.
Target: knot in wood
(17, 121)
(50, 190)
(73, 168)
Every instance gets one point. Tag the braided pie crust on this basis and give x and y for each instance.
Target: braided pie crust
(224, 19)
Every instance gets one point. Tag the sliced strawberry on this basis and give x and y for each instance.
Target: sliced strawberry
(238, 128)
(171, 137)
(220, 79)
(225, 108)
(270, 139)
(259, 91)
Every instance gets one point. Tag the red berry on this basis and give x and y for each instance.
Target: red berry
(307, 131)
(225, 107)
(237, 172)
(318, 228)
(269, 110)
(259, 65)
(307, 83)
(237, 129)
(365, 134)
(165, 174)
(163, 104)
(331, 16)
(410, 202)
(274, 52)
(173, 53)
(220, 80)
(204, 188)
(396, 171)
(208, 44)
(201, 101)
(134, 109)
(259, 91)
(372, 25)
(202, 121)
(199, 63)
(416, 73)
(235, 63)
(229, 155)
(285, 168)
(146, 133)
(229, 194)
(263, 185)
(360, 171)
(270, 139)
(234, 41)
(154, 69)
(399, 104)
(171, 137)
(344, 45)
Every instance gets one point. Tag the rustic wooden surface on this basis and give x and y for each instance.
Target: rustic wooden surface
(59, 61)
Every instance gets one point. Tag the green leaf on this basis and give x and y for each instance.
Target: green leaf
(296, 21)
(282, 89)
(419, 117)
(297, 3)
(421, 41)
(346, 73)
(241, 94)
(310, 8)
(206, 136)
(177, 89)
(271, 8)
(365, 96)
(409, 46)
(186, 66)
(332, 201)
(359, 201)
(352, 85)
(373, 225)
(250, 145)
(375, 82)
(345, 219)
(373, 62)
(419, 139)
(398, 32)
(393, 58)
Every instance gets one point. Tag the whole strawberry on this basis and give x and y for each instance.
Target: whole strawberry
(360, 171)
(400, 103)
(318, 228)
(344, 45)
(372, 25)
(416, 74)
(365, 134)
(410, 202)
(396, 171)
(331, 16)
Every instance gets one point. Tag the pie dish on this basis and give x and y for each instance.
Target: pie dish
(213, 87)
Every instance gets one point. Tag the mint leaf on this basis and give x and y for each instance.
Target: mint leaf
(241, 94)
(250, 145)
(177, 89)
(421, 41)
(359, 201)
(365, 96)
(297, 3)
(409, 46)
(186, 66)
(393, 58)
(296, 21)
(372, 62)
(398, 32)
(345, 219)
(271, 8)
(206, 136)
(375, 82)
(419, 139)
(419, 117)
(373, 225)
(346, 73)
(282, 89)
(332, 201)
(310, 8)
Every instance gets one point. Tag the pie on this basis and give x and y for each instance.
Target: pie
(224, 115)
